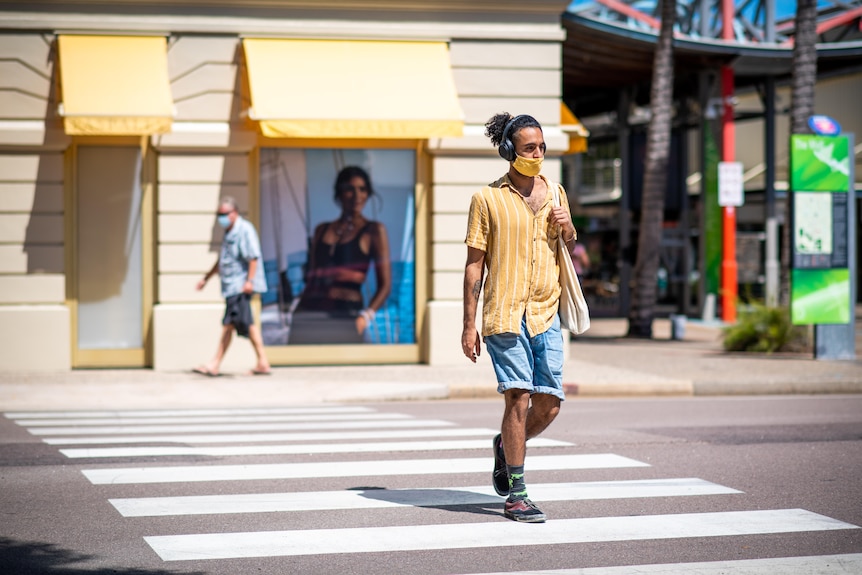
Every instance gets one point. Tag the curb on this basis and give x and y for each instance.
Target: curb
(676, 389)
(483, 391)
(655, 389)
(713, 388)
(669, 388)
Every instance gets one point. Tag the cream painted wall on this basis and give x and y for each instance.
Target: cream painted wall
(220, 169)
(203, 74)
(40, 259)
(190, 187)
(188, 198)
(186, 335)
(28, 100)
(35, 338)
(451, 198)
(25, 67)
(34, 321)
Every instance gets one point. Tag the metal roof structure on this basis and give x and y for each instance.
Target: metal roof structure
(610, 44)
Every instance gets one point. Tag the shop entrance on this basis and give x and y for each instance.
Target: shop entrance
(112, 298)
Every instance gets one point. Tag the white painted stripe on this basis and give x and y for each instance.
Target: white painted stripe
(199, 473)
(270, 437)
(496, 534)
(215, 419)
(22, 126)
(187, 412)
(425, 497)
(819, 565)
(303, 448)
(226, 427)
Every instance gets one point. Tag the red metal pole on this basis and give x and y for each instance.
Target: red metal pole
(729, 287)
(727, 10)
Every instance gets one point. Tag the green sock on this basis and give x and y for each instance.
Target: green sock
(517, 487)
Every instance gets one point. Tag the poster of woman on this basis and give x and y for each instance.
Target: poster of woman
(337, 232)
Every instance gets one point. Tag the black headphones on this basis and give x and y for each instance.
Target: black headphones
(506, 149)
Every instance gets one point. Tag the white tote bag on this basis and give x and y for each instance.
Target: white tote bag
(574, 314)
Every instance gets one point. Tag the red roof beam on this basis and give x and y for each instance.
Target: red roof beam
(839, 20)
(627, 10)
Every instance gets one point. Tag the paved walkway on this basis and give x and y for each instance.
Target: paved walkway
(601, 363)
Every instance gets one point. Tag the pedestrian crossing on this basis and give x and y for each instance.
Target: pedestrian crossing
(472, 535)
(419, 497)
(378, 468)
(380, 445)
(844, 564)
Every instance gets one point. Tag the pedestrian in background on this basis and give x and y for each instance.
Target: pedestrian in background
(581, 260)
(512, 230)
(240, 269)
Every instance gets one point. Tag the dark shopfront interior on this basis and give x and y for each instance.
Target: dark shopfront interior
(611, 97)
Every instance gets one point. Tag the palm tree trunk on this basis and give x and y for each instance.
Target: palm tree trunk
(801, 108)
(655, 179)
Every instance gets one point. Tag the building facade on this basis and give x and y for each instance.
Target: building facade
(122, 124)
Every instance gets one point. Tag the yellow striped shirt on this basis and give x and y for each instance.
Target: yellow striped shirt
(523, 277)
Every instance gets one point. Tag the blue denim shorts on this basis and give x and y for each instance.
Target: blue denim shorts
(531, 363)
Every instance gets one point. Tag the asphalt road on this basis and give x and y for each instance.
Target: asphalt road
(739, 485)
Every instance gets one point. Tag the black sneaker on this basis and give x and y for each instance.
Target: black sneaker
(523, 511)
(500, 476)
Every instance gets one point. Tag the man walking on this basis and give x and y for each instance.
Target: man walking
(241, 272)
(512, 231)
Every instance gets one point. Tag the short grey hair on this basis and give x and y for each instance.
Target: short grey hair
(229, 201)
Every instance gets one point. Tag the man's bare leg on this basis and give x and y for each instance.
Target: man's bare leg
(519, 420)
(522, 421)
(542, 413)
(257, 342)
(214, 364)
(514, 427)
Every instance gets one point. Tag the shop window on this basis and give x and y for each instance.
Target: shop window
(339, 263)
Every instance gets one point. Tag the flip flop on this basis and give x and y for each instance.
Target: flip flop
(204, 371)
(259, 372)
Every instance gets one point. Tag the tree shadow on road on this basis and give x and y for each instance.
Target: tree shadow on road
(39, 558)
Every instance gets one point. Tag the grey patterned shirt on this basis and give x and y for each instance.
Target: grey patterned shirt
(239, 247)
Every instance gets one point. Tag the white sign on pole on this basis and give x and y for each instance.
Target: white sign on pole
(730, 191)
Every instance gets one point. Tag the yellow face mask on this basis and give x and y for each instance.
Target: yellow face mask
(528, 166)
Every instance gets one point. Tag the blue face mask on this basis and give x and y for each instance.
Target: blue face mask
(224, 221)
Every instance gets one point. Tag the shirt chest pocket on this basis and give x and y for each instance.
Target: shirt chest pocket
(231, 247)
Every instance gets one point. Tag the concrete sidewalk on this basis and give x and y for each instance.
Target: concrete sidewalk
(601, 363)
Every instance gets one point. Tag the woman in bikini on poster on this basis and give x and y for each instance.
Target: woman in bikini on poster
(331, 308)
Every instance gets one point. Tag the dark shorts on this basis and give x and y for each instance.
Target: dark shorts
(237, 312)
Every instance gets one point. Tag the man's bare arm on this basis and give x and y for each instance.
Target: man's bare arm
(248, 286)
(474, 272)
(212, 272)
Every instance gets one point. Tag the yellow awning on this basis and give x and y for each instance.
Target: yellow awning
(352, 89)
(115, 85)
(578, 134)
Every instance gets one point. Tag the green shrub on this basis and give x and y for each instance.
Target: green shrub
(765, 330)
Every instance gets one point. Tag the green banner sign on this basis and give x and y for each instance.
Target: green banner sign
(820, 164)
(821, 296)
(819, 181)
